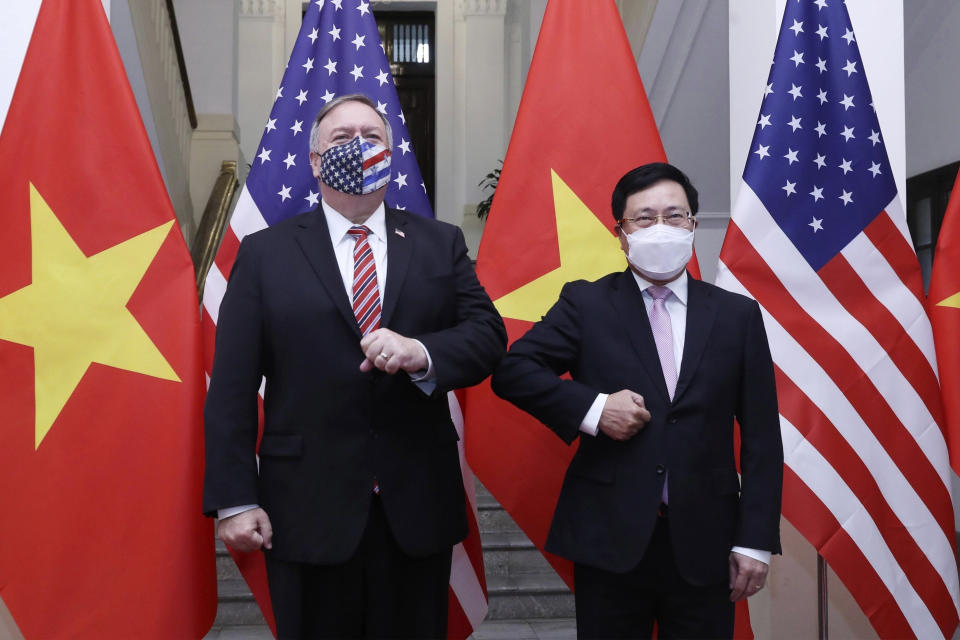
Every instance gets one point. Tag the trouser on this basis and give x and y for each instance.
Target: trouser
(626, 605)
(380, 592)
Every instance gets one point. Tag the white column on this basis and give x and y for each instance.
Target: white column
(479, 100)
(208, 34)
(447, 204)
(261, 55)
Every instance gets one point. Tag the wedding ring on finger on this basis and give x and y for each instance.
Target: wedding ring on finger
(385, 356)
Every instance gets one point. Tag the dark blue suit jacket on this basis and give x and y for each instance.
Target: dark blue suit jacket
(600, 333)
(330, 429)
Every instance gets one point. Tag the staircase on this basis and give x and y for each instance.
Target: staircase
(527, 598)
(521, 584)
(236, 606)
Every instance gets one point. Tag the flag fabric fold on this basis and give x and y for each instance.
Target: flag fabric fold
(337, 52)
(819, 238)
(101, 439)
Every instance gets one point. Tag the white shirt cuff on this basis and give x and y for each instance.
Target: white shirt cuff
(222, 514)
(756, 554)
(425, 378)
(591, 421)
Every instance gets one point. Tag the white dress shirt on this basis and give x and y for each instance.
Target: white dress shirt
(344, 243)
(676, 305)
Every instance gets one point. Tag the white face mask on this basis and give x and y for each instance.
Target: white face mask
(660, 252)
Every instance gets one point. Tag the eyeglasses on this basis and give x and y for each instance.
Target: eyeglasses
(671, 217)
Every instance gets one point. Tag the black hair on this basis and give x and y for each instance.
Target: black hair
(646, 175)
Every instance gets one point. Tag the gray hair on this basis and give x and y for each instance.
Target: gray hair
(336, 102)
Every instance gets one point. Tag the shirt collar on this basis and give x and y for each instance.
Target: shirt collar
(339, 225)
(678, 287)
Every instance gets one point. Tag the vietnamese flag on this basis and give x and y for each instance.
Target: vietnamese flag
(583, 122)
(943, 306)
(100, 407)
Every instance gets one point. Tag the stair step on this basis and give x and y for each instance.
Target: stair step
(534, 629)
(506, 540)
(226, 567)
(529, 597)
(236, 606)
(494, 519)
(509, 553)
(543, 583)
(243, 632)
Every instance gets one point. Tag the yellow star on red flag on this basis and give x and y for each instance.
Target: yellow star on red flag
(951, 301)
(74, 311)
(587, 251)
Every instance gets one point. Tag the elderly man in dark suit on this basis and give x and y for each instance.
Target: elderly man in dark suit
(652, 512)
(360, 318)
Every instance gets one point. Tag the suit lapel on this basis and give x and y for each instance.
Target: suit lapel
(314, 241)
(628, 300)
(701, 312)
(399, 252)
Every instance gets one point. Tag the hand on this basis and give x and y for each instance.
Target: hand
(747, 576)
(624, 414)
(391, 352)
(247, 531)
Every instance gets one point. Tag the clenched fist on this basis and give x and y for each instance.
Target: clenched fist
(624, 414)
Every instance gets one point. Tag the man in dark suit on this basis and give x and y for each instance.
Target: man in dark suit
(651, 511)
(358, 498)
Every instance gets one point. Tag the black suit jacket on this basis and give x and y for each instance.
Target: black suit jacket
(329, 429)
(600, 333)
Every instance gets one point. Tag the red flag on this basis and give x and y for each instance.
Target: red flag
(583, 122)
(943, 305)
(100, 412)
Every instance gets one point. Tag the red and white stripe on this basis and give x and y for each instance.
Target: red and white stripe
(867, 477)
(468, 590)
(366, 293)
(468, 583)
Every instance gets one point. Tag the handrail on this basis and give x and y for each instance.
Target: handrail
(215, 217)
(181, 62)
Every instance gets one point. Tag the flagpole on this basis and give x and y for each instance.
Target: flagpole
(821, 598)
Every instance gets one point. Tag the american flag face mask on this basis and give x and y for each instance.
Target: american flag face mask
(357, 167)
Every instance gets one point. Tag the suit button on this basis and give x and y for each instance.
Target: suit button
(672, 419)
(660, 469)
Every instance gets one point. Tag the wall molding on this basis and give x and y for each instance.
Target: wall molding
(262, 9)
(481, 7)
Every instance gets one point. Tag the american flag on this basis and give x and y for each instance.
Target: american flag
(338, 51)
(819, 238)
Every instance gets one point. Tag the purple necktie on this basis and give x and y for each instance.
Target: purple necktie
(663, 335)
